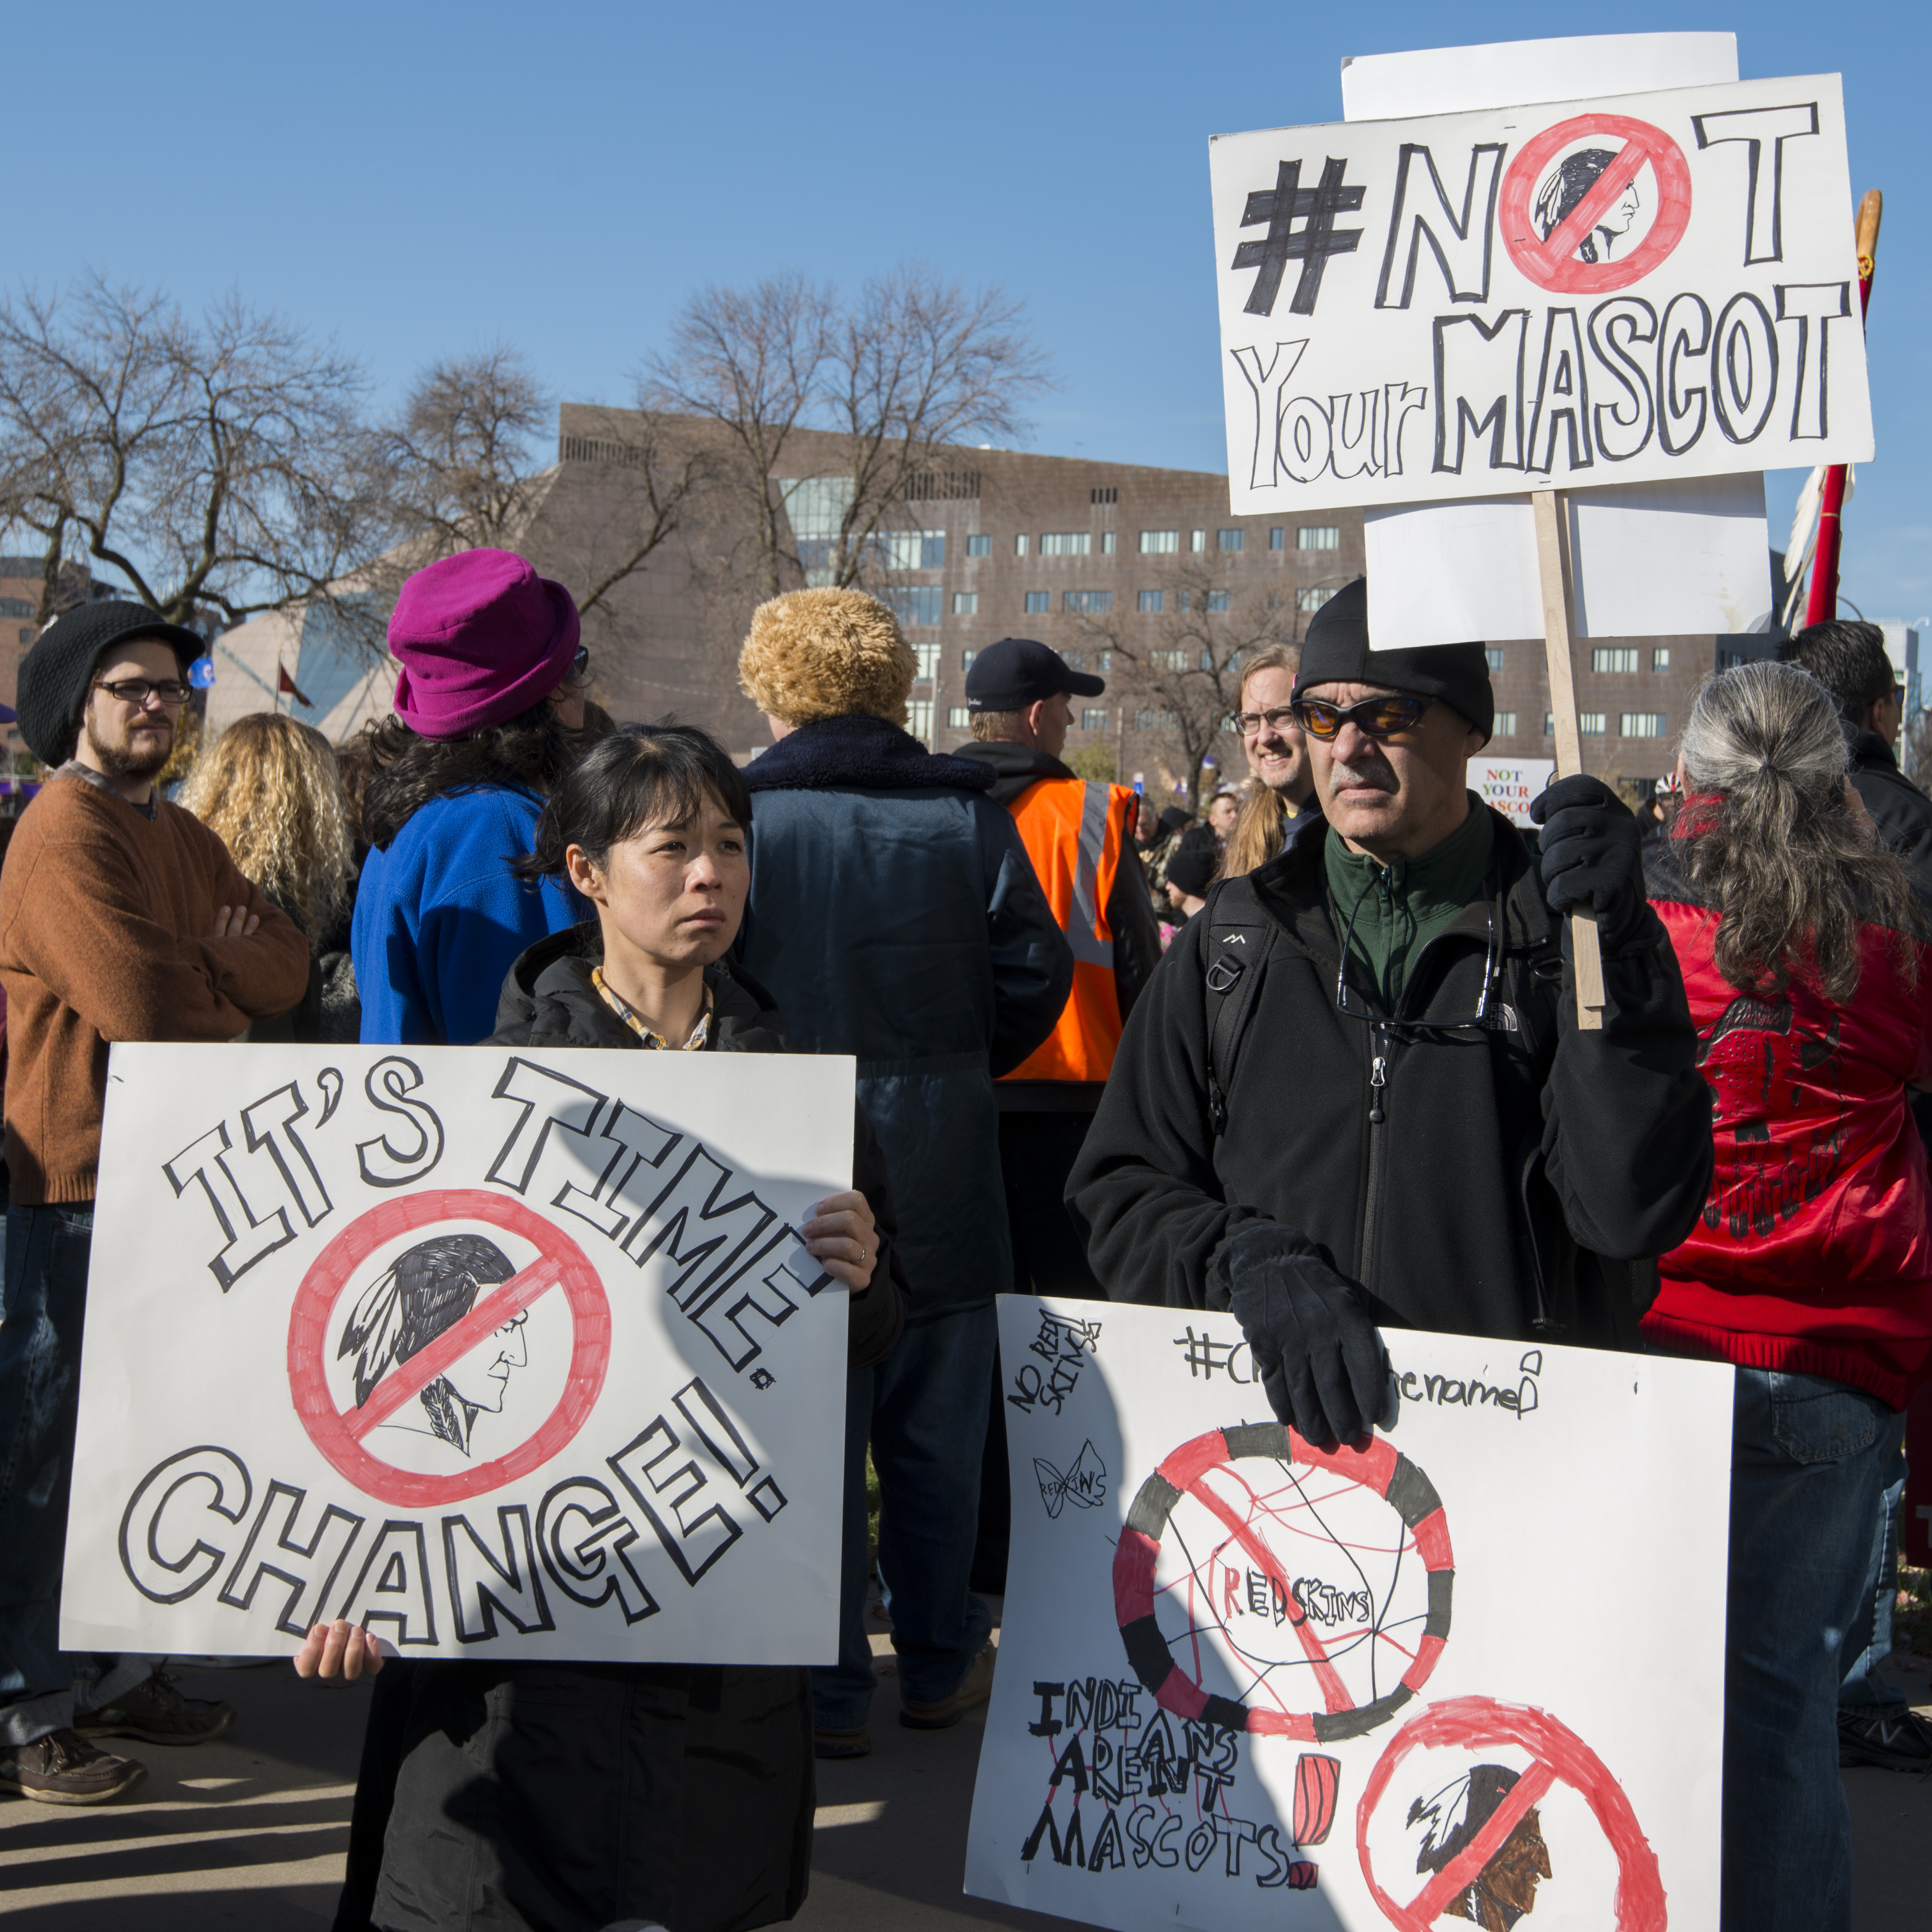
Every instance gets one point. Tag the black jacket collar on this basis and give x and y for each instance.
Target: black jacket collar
(857, 753)
(1870, 752)
(1015, 767)
(548, 1000)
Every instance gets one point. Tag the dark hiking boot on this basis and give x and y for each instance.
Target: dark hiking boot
(941, 1716)
(157, 1713)
(64, 1768)
(1893, 1742)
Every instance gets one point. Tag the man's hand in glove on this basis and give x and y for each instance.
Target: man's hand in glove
(1592, 853)
(1321, 1364)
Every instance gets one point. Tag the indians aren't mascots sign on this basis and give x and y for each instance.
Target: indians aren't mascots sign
(496, 1352)
(1619, 291)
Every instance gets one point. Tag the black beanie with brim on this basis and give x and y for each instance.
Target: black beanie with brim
(1193, 868)
(1336, 652)
(58, 666)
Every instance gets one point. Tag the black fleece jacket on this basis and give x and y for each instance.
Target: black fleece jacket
(1523, 1173)
(547, 1000)
(1900, 811)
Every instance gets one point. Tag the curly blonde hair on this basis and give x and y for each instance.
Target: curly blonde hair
(269, 789)
(815, 654)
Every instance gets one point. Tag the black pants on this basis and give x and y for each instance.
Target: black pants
(1037, 1152)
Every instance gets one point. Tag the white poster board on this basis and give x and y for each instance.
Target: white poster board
(1242, 1685)
(1645, 287)
(499, 1353)
(1511, 784)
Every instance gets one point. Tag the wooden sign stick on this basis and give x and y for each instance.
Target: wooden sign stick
(1552, 562)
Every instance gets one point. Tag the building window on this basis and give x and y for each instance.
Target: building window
(1217, 600)
(1038, 601)
(1159, 543)
(965, 603)
(1229, 539)
(1109, 495)
(1276, 538)
(1590, 724)
(958, 718)
(1167, 660)
(966, 659)
(1019, 544)
(928, 655)
(979, 546)
(1660, 659)
(1643, 725)
(1613, 661)
(1151, 601)
(1153, 720)
(1318, 536)
(1494, 655)
(1066, 543)
(1106, 661)
(932, 550)
(1107, 543)
(915, 603)
(1088, 601)
(1074, 660)
(1198, 540)
(1093, 720)
(1183, 600)
(1505, 725)
(918, 718)
(1311, 599)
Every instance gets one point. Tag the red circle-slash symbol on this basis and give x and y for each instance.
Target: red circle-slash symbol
(1559, 1757)
(1551, 263)
(338, 1433)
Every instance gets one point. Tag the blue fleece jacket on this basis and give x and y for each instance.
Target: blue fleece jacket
(440, 918)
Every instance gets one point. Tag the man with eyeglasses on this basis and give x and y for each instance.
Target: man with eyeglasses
(121, 917)
(1356, 1094)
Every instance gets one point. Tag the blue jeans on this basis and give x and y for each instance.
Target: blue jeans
(1862, 1691)
(924, 1410)
(1808, 1464)
(45, 1304)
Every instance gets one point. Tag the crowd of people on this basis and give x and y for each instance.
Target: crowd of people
(1312, 1059)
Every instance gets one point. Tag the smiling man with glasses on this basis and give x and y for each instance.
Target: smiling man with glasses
(121, 917)
(1355, 1095)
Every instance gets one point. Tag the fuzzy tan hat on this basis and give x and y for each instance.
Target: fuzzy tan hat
(816, 654)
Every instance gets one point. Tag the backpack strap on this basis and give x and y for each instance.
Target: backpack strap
(1240, 941)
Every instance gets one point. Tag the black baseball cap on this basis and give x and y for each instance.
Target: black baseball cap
(1017, 672)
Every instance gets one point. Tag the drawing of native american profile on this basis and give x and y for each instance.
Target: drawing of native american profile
(424, 1292)
(1758, 1059)
(1505, 1890)
(1563, 187)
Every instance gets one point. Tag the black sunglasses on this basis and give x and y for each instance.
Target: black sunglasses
(1374, 717)
(579, 664)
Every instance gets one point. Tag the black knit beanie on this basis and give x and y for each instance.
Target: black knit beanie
(1336, 652)
(56, 671)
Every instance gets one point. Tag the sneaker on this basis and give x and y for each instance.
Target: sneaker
(842, 1743)
(63, 1769)
(1901, 1742)
(157, 1713)
(976, 1688)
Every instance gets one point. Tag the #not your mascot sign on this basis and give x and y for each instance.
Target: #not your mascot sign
(496, 1352)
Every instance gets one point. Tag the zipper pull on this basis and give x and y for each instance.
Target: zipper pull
(1378, 1081)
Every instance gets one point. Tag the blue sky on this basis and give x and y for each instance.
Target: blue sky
(416, 180)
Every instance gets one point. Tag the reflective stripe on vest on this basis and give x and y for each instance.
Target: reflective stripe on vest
(1072, 830)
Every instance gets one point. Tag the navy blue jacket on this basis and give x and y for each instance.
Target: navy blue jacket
(895, 917)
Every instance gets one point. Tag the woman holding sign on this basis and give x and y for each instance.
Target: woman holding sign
(499, 1796)
(1807, 953)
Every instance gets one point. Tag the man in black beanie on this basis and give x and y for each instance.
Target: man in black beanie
(1423, 1136)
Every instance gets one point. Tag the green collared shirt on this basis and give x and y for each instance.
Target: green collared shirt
(1400, 907)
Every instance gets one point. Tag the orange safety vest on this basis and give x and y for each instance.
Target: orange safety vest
(1073, 830)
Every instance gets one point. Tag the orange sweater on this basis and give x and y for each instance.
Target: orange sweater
(103, 920)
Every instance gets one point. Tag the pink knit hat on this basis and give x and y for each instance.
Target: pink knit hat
(480, 637)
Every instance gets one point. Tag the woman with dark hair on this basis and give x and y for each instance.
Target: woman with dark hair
(491, 688)
(1804, 949)
(493, 1797)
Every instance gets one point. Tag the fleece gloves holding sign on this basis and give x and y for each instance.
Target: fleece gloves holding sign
(1592, 854)
(1322, 1363)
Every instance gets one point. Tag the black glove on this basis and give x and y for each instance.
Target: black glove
(1592, 852)
(1322, 1363)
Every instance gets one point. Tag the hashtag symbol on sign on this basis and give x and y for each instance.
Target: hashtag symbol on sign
(1205, 1353)
(1281, 207)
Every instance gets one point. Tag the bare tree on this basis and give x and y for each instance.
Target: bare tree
(1177, 675)
(654, 471)
(221, 467)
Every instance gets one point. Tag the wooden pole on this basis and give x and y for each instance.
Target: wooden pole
(1821, 604)
(1552, 563)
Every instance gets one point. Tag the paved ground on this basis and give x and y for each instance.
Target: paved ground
(250, 1832)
